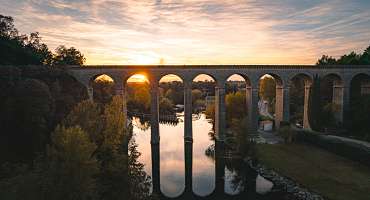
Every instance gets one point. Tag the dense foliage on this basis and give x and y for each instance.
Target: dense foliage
(16, 49)
(87, 158)
(348, 59)
(33, 101)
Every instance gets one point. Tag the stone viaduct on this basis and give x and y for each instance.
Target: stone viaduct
(283, 75)
(341, 77)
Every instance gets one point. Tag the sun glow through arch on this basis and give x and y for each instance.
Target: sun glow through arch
(138, 78)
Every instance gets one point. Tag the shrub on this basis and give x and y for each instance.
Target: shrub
(286, 132)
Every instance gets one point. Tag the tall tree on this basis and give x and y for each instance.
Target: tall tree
(18, 49)
(70, 169)
(68, 56)
(326, 60)
(365, 57)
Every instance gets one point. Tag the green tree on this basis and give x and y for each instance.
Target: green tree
(66, 171)
(326, 60)
(195, 95)
(267, 88)
(70, 169)
(235, 105)
(86, 115)
(114, 124)
(103, 91)
(166, 106)
(365, 57)
(34, 108)
(350, 59)
(20, 49)
(139, 183)
(68, 56)
(7, 28)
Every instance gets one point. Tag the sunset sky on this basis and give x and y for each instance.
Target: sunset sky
(197, 31)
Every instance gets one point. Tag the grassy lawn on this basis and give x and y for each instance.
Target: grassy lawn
(330, 175)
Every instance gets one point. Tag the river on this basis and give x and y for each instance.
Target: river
(172, 161)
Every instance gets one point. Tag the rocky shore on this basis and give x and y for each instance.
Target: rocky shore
(293, 189)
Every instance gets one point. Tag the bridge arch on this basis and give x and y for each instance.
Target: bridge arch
(332, 88)
(209, 77)
(280, 95)
(359, 86)
(300, 85)
(95, 86)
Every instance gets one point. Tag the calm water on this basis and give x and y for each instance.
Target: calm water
(172, 160)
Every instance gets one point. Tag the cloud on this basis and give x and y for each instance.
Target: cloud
(197, 31)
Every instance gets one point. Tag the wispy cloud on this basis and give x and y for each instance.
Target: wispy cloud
(197, 31)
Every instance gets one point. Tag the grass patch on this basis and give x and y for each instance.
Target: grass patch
(328, 174)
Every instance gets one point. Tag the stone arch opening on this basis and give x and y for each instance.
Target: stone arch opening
(359, 104)
(237, 89)
(171, 95)
(203, 93)
(137, 100)
(172, 156)
(137, 94)
(360, 86)
(101, 88)
(271, 102)
(202, 100)
(300, 85)
(332, 93)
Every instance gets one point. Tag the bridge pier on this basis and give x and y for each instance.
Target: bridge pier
(252, 109)
(306, 122)
(121, 91)
(188, 126)
(338, 100)
(220, 112)
(188, 145)
(90, 92)
(154, 108)
(156, 169)
(281, 105)
(220, 167)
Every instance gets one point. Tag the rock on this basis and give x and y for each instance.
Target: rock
(293, 189)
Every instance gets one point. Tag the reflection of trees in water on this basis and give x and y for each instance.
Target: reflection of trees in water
(238, 173)
(140, 181)
(143, 121)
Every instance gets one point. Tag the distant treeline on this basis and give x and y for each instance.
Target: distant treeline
(348, 59)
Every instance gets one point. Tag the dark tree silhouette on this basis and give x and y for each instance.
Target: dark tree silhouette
(68, 56)
(348, 59)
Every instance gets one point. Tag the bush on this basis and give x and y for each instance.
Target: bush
(346, 149)
(286, 132)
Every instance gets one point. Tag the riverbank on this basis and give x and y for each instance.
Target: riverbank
(323, 172)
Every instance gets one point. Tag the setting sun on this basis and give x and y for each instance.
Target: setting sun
(138, 78)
